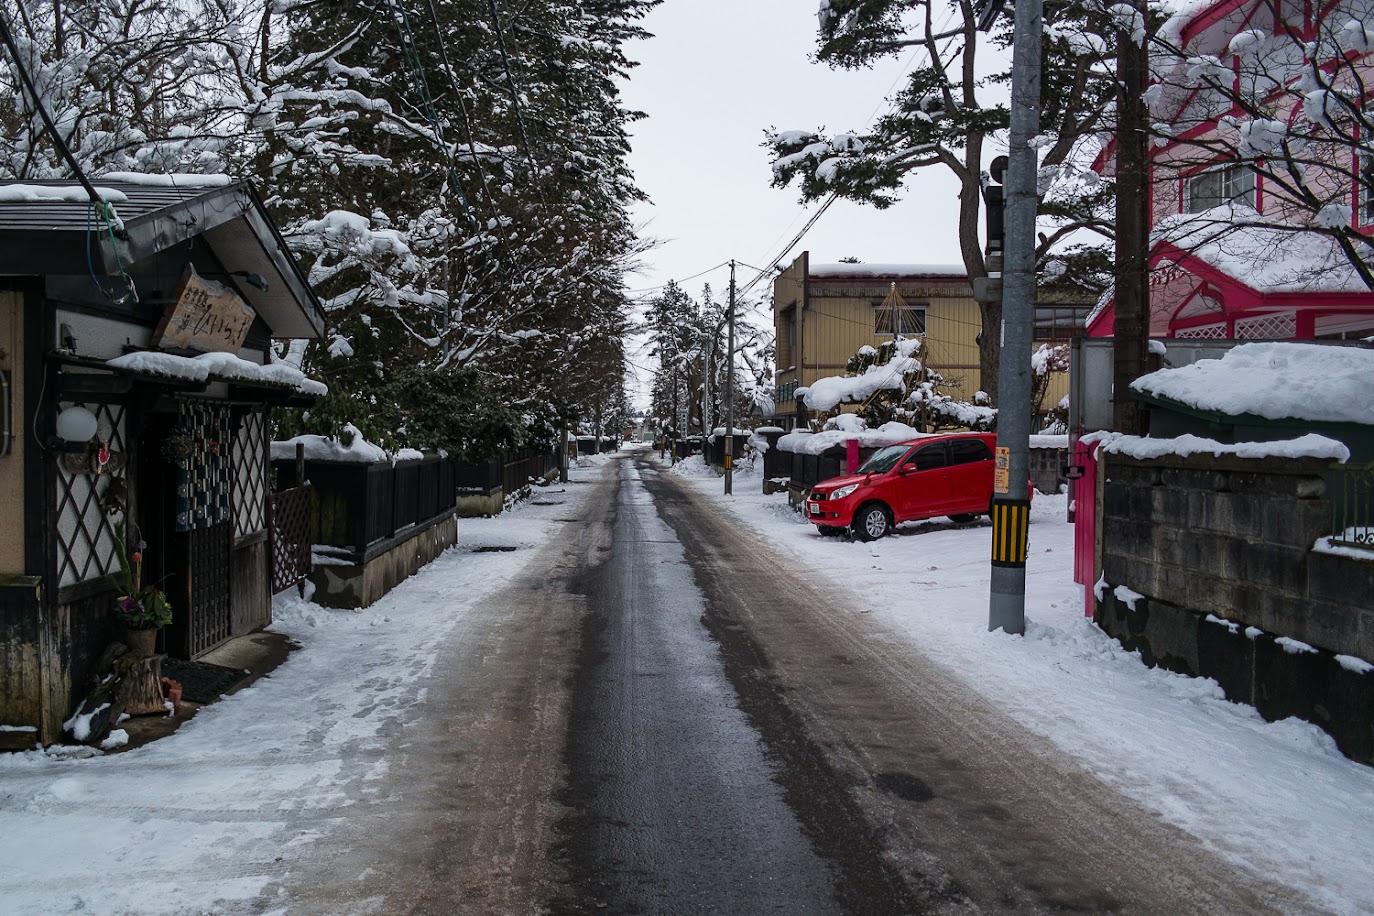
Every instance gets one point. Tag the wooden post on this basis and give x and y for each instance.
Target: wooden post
(851, 456)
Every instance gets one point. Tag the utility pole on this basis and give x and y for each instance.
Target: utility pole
(730, 391)
(1132, 293)
(1010, 507)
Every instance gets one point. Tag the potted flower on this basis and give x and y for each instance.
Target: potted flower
(141, 610)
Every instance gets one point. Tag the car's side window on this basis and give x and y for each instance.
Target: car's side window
(928, 458)
(967, 451)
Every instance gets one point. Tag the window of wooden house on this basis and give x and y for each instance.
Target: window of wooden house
(1058, 323)
(906, 320)
(1233, 182)
(787, 339)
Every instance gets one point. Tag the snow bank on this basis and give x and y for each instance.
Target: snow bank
(1276, 381)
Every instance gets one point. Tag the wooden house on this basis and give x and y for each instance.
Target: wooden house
(137, 379)
(823, 314)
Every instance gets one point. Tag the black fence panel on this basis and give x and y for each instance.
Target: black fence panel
(359, 505)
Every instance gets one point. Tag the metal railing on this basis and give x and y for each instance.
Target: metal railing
(1351, 490)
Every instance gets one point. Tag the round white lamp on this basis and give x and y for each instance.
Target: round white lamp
(77, 424)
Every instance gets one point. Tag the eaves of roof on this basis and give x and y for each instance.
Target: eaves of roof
(39, 237)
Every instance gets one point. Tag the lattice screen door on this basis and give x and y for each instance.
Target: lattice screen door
(204, 485)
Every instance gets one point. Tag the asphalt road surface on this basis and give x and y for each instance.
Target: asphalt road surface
(661, 716)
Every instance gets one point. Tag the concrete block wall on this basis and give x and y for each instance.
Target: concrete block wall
(1221, 548)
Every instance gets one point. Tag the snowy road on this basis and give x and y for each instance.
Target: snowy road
(614, 699)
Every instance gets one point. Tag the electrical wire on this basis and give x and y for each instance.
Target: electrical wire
(98, 203)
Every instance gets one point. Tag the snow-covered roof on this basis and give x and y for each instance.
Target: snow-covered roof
(46, 228)
(1267, 258)
(217, 366)
(1274, 380)
(887, 271)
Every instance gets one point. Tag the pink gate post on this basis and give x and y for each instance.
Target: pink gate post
(1085, 521)
(851, 456)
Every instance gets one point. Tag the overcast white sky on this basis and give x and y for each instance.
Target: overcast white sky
(715, 76)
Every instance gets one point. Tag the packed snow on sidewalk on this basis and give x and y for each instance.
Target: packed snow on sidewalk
(209, 819)
(1277, 798)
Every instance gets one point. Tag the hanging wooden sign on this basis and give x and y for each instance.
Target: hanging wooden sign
(206, 316)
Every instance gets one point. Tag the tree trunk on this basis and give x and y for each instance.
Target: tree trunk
(140, 689)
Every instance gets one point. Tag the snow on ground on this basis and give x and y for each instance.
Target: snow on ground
(201, 821)
(1276, 797)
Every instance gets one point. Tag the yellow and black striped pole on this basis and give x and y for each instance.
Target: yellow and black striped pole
(1010, 532)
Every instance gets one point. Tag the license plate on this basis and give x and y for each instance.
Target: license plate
(814, 508)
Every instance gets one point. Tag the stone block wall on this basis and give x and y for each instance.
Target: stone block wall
(1221, 551)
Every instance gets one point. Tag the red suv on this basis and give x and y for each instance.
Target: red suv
(948, 474)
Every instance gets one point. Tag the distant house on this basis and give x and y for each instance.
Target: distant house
(823, 314)
(137, 380)
(1224, 264)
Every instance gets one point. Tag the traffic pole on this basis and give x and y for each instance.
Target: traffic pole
(730, 391)
(1010, 505)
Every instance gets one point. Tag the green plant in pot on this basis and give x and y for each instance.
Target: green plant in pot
(141, 610)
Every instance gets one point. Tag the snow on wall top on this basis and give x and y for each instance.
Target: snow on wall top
(327, 448)
(1308, 446)
(1277, 381)
(893, 271)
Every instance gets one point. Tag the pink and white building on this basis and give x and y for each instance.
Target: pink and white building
(1240, 97)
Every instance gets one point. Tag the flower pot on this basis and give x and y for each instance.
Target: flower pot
(142, 643)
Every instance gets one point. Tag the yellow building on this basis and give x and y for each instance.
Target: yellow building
(823, 314)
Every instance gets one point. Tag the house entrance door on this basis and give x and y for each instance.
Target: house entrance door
(184, 490)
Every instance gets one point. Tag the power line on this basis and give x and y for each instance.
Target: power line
(98, 203)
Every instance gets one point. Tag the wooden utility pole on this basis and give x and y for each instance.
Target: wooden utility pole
(1132, 293)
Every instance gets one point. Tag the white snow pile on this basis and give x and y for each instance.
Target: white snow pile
(1277, 381)
(32, 193)
(808, 443)
(1308, 446)
(170, 180)
(328, 448)
(223, 366)
(1264, 255)
(829, 392)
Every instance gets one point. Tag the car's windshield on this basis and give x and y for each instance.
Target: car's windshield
(884, 459)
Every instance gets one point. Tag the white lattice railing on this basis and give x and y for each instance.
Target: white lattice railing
(1268, 327)
(1206, 332)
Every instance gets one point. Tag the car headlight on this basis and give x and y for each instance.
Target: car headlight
(842, 492)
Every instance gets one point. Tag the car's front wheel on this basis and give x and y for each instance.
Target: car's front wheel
(872, 522)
